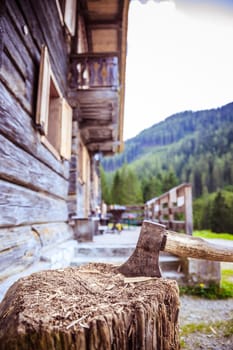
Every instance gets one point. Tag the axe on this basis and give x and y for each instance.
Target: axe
(154, 237)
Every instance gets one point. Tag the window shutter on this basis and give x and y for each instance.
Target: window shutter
(55, 121)
(70, 15)
(42, 109)
(66, 130)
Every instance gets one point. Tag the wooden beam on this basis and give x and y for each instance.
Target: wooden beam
(97, 125)
(96, 112)
(99, 96)
(106, 146)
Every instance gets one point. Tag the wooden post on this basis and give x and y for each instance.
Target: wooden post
(146, 211)
(171, 200)
(188, 209)
(153, 211)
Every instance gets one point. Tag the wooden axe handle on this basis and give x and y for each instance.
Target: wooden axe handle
(194, 247)
(154, 237)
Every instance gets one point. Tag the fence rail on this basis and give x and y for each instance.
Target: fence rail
(173, 209)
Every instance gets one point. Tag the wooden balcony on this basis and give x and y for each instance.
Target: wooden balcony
(94, 72)
(94, 88)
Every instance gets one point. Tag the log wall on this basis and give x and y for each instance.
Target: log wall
(33, 183)
(80, 186)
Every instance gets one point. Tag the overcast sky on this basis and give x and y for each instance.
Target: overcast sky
(178, 58)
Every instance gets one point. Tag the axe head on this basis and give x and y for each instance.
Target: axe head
(145, 259)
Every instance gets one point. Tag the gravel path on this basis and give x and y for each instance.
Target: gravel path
(195, 311)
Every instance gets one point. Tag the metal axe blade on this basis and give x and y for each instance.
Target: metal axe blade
(154, 237)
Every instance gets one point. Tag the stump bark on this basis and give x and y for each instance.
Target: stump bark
(91, 307)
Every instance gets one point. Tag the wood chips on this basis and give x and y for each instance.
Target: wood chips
(91, 307)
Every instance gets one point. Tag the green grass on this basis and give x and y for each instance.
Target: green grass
(225, 290)
(226, 274)
(195, 327)
(210, 234)
(212, 291)
(223, 328)
(226, 327)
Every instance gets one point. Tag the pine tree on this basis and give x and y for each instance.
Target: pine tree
(169, 181)
(220, 212)
(105, 188)
(126, 188)
(133, 192)
(117, 189)
(152, 187)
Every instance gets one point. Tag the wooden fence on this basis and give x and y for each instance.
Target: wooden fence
(173, 209)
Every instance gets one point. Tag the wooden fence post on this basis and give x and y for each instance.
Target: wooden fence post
(188, 209)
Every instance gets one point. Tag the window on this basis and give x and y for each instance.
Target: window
(67, 14)
(53, 114)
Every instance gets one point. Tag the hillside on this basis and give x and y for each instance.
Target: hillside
(198, 146)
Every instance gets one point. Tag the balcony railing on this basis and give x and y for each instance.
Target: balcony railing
(91, 72)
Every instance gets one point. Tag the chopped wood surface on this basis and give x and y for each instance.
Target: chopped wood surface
(90, 307)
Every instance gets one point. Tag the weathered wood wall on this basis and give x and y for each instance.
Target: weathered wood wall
(33, 183)
(80, 177)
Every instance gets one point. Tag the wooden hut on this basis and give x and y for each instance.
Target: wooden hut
(62, 70)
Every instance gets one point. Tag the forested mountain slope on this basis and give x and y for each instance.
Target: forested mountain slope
(197, 146)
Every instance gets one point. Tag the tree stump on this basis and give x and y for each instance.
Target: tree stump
(90, 307)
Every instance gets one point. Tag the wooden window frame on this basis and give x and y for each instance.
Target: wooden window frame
(67, 14)
(81, 43)
(66, 130)
(53, 113)
(60, 10)
(83, 163)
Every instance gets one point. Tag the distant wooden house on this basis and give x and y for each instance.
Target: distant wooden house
(62, 72)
